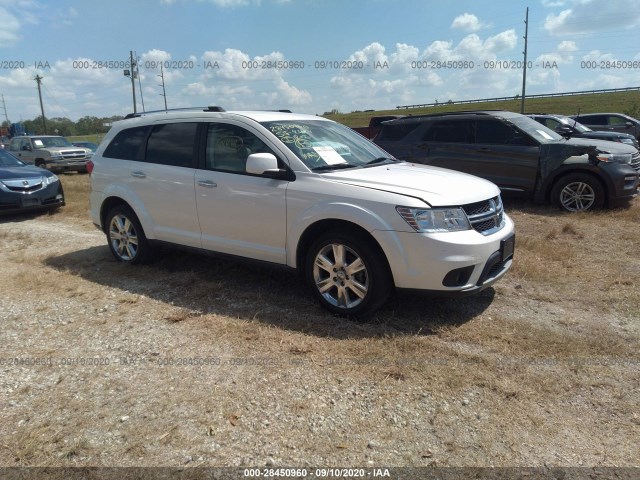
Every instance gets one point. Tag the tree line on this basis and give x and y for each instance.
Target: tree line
(66, 127)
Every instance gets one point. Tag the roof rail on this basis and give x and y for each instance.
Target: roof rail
(204, 109)
(444, 114)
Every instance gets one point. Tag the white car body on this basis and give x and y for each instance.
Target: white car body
(264, 218)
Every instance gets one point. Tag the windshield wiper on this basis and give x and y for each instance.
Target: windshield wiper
(382, 159)
(337, 166)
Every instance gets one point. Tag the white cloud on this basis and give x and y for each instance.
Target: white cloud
(467, 22)
(587, 16)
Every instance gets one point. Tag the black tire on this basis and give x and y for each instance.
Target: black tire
(41, 164)
(578, 192)
(125, 236)
(348, 274)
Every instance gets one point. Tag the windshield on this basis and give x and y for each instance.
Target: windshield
(570, 122)
(47, 142)
(323, 145)
(535, 129)
(8, 160)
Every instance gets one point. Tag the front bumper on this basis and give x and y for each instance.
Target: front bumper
(51, 196)
(623, 181)
(455, 263)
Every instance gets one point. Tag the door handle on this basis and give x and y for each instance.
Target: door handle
(138, 174)
(207, 183)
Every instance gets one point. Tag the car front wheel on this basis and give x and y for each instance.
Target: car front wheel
(578, 192)
(126, 237)
(347, 274)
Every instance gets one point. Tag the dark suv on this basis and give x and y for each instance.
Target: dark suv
(569, 127)
(610, 122)
(519, 155)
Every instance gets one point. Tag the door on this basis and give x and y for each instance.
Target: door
(239, 214)
(157, 169)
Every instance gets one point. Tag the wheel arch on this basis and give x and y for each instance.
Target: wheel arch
(338, 225)
(551, 182)
(107, 205)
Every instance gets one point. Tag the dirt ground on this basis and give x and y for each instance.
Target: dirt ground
(196, 361)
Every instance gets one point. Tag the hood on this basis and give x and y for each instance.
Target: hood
(15, 173)
(438, 187)
(604, 146)
(603, 135)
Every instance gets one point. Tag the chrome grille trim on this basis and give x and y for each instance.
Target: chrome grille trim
(486, 217)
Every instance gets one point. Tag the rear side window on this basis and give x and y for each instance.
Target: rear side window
(593, 120)
(450, 131)
(128, 144)
(397, 132)
(172, 144)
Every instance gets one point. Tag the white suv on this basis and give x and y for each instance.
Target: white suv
(299, 191)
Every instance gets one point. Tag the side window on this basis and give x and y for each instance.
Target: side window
(393, 133)
(228, 147)
(494, 132)
(14, 146)
(172, 144)
(551, 123)
(593, 120)
(616, 121)
(127, 145)
(451, 131)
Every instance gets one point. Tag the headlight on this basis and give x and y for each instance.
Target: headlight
(610, 158)
(56, 156)
(628, 141)
(50, 180)
(435, 220)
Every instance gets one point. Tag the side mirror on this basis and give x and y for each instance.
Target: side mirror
(564, 130)
(629, 124)
(26, 148)
(264, 164)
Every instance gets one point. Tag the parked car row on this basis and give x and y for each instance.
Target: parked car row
(519, 155)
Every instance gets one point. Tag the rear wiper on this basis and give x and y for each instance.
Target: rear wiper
(337, 166)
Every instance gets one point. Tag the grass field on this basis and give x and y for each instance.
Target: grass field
(604, 102)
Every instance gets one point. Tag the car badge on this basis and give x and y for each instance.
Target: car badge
(25, 183)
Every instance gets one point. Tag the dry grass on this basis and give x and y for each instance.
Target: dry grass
(541, 369)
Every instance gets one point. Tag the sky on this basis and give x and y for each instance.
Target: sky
(309, 56)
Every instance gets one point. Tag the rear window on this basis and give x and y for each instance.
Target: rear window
(128, 144)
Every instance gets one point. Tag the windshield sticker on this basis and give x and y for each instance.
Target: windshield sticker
(38, 143)
(544, 134)
(329, 155)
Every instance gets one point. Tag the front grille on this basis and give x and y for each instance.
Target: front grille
(24, 186)
(486, 217)
(73, 154)
(635, 161)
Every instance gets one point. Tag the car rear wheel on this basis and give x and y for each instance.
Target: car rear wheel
(126, 237)
(578, 192)
(348, 274)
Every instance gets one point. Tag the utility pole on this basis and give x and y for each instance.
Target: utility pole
(133, 79)
(164, 92)
(38, 80)
(524, 66)
(4, 107)
(139, 82)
